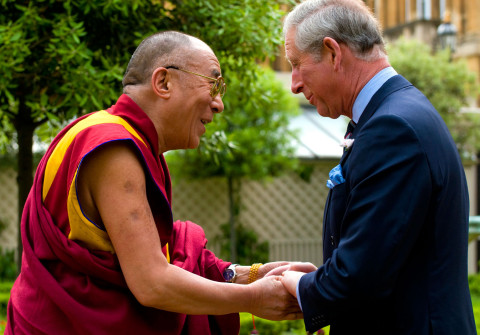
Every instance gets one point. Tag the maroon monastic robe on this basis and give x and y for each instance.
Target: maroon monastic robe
(71, 281)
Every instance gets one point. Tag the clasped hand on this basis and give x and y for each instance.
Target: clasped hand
(291, 274)
(274, 299)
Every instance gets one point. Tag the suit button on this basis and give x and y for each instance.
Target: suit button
(332, 240)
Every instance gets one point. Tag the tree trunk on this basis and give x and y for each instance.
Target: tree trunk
(233, 235)
(234, 185)
(25, 132)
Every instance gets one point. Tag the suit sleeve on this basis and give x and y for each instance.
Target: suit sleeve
(390, 185)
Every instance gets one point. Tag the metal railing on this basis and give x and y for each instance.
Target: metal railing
(305, 250)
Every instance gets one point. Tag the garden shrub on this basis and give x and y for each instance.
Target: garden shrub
(8, 265)
(249, 249)
(474, 283)
(5, 288)
(267, 327)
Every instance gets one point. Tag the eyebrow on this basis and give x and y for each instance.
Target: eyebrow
(292, 62)
(215, 73)
(290, 59)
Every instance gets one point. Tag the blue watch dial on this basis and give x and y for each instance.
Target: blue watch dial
(229, 274)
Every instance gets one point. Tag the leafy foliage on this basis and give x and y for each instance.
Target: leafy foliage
(60, 59)
(8, 266)
(474, 284)
(448, 84)
(267, 327)
(5, 287)
(249, 249)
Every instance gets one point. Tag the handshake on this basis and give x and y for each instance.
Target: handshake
(274, 291)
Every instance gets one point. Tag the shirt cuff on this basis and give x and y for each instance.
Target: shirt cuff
(298, 296)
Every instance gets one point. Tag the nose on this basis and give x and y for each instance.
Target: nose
(297, 84)
(217, 104)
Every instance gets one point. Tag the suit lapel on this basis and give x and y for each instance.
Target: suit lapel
(393, 84)
(337, 197)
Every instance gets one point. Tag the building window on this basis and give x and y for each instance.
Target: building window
(424, 9)
(443, 6)
(407, 10)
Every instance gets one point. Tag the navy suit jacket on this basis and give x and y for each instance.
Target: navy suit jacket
(396, 232)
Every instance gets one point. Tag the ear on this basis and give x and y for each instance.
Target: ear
(332, 51)
(161, 84)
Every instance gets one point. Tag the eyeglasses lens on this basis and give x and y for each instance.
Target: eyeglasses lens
(218, 87)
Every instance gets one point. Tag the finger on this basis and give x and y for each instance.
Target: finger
(277, 271)
(294, 316)
(270, 266)
(277, 264)
(290, 281)
(303, 267)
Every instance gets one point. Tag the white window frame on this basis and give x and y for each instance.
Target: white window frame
(407, 11)
(424, 9)
(443, 7)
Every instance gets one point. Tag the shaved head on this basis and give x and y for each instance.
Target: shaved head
(161, 49)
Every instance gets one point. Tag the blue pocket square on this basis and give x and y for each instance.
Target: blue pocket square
(336, 177)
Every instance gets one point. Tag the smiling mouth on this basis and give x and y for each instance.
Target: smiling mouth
(205, 121)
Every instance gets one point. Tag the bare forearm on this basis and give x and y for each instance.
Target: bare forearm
(184, 292)
(116, 182)
(177, 290)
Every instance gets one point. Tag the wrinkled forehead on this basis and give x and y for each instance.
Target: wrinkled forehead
(291, 50)
(202, 57)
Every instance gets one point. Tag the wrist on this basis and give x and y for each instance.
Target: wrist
(253, 273)
(246, 272)
(242, 274)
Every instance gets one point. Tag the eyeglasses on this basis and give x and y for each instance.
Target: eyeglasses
(219, 85)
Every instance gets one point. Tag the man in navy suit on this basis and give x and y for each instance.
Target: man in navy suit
(396, 218)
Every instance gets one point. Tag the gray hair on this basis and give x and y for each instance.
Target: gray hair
(346, 21)
(161, 49)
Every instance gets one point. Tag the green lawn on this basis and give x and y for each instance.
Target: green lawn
(264, 327)
(4, 295)
(476, 310)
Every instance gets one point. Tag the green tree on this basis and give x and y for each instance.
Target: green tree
(62, 58)
(448, 84)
